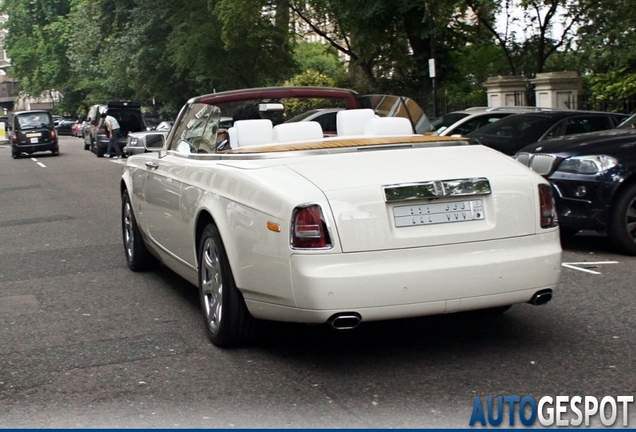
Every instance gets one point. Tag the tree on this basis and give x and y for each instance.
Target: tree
(607, 44)
(319, 57)
(532, 29)
(388, 43)
(36, 42)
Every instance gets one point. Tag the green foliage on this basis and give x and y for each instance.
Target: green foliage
(321, 58)
(308, 78)
(36, 42)
(614, 85)
(606, 53)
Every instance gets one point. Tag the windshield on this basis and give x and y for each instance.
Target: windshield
(442, 123)
(512, 126)
(197, 130)
(630, 123)
(398, 106)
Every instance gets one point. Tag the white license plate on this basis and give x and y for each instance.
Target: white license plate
(34, 140)
(438, 213)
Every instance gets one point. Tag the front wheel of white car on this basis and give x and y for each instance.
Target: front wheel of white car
(227, 320)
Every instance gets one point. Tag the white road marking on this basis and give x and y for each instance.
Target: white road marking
(39, 163)
(574, 265)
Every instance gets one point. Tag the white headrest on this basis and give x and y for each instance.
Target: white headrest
(378, 126)
(252, 132)
(352, 122)
(297, 131)
(231, 135)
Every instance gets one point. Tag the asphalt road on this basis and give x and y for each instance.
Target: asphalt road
(84, 342)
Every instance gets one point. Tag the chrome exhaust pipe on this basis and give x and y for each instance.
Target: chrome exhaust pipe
(345, 320)
(541, 297)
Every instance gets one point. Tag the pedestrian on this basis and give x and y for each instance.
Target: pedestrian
(112, 128)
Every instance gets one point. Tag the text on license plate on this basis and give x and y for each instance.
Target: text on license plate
(437, 213)
(34, 140)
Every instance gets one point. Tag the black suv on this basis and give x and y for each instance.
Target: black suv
(32, 131)
(594, 180)
(128, 115)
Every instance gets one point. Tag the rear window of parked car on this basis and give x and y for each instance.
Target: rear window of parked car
(32, 121)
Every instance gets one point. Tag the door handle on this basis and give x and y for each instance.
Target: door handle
(152, 165)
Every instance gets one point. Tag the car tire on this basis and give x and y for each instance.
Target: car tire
(567, 233)
(227, 320)
(622, 224)
(15, 154)
(86, 146)
(138, 257)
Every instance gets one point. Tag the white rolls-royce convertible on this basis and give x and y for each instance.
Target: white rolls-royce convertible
(373, 221)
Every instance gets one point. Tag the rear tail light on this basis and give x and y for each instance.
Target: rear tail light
(309, 230)
(547, 207)
(14, 137)
(52, 135)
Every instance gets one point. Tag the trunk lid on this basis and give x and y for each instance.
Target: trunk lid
(371, 210)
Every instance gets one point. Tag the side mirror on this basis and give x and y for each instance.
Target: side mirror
(155, 142)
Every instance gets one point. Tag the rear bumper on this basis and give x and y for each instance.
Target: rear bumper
(102, 142)
(419, 281)
(31, 148)
(583, 211)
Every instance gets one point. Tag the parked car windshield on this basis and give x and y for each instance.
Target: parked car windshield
(512, 126)
(441, 123)
(629, 123)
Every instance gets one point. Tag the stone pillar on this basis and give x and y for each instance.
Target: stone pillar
(506, 91)
(557, 89)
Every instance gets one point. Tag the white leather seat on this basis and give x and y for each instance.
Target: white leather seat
(297, 131)
(252, 132)
(231, 135)
(352, 122)
(379, 126)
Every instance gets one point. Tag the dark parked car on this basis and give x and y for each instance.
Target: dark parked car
(325, 116)
(593, 176)
(516, 131)
(65, 127)
(128, 115)
(32, 131)
(466, 121)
